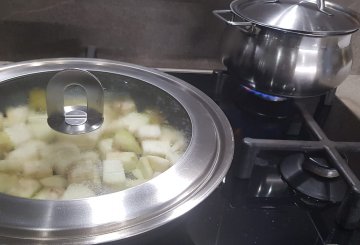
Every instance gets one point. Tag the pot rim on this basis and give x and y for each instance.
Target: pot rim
(141, 208)
(238, 8)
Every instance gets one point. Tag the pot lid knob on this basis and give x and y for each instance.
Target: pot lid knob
(74, 119)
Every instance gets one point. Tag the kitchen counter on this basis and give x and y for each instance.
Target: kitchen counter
(349, 93)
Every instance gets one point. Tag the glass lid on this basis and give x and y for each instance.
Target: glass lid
(311, 17)
(143, 131)
(156, 147)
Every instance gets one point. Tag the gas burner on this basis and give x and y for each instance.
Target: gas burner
(263, 104)
(311, 175)
(264, 96)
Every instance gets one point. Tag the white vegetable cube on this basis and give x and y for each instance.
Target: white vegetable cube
(84, 172)
(83, 141)
(113, 173)
(5, 144)
(124, 106)
(105, 146)
(61, 155)
(7, 181)
(88, 157)
(156, 174)
(155, 147)
(145, 168)
(18, 133)
(125, 141)
(11, 166)
(77, 191)
(134, 120)
(25, 187)
(26, 152)
(173, 156)
(150, 131)
(37, 169)
(49, 193)
(129, 160)
(55, 181)
(158, 163)
(16, 115)
(41, 131)
(175, 138)
(137, 173)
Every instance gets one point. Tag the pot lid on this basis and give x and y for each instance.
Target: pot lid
(318, 18)
(163, 147)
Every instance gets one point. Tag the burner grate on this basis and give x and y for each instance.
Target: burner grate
(348, 215)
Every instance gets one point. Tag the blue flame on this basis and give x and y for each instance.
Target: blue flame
(264, 96)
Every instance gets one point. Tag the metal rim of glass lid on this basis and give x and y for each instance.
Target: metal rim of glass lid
(138, 209)
(318, 18)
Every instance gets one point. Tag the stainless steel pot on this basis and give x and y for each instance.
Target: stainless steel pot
(287, 47)
(139, 209)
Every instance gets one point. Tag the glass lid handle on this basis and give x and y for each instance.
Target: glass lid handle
(75, 119)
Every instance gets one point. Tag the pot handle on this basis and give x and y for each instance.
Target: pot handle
(220, 13)
(74, 119)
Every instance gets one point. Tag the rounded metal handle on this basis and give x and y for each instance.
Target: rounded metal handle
(220, 13)
(74, 119)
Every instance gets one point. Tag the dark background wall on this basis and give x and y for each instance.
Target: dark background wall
(157, 33)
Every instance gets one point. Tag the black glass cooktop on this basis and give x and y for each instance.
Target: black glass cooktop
(262, 209)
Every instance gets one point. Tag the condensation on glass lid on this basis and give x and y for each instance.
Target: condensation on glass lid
(133, 145)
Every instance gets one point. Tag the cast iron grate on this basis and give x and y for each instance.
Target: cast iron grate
(348, 215)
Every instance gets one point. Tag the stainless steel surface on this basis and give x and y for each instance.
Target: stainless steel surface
(219, 13)
(284, 63)
(138, 209)
(315, 18)
(74, 119)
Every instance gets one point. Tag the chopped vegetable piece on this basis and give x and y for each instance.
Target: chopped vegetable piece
(55, 181)
(37, 169)
(18, 133)
(84, 172)
(5, 144)
(155, 147)
(16, 115)
(172, 156)
(49, 193)
(24, 187)
(105, 146)
(125, 141)
(137, 173)
(134, 120)
(27, 151)
(37, 99)
(158, 163)
(145, 167)
(129, 160)
(113, 173)
(41, 131)
(75, 191)
(61, 155)
(150, 131)
(7, 181)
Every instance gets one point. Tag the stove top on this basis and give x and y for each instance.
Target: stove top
(262, 200)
